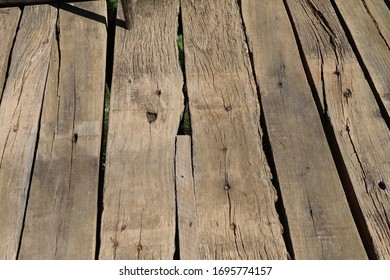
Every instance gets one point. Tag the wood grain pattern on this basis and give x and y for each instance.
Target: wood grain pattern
(4, 3)
(368, 22)
(320, 222)
(186, 208)
(62, 209)
(361, 132)
(234, 196)
(19, 118)
(138, 220)
(9, 20)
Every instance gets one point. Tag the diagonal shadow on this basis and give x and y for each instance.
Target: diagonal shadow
(80, 12)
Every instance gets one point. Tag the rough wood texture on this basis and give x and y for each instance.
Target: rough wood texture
(19, 117)
(128, 12)
(186, 208)
(62, 209)
(146, 103)
(368, 22)
(9, 19)
(320, 223)
(235, 199)
(361, 133)
(34, 2)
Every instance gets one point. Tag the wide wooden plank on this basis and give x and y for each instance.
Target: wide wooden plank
(234, 197)
(9, 20)
(185, 192)
(138, 219)
(320, 222)
(19, 117)
(62, 209)
(368, 22)
(361, 133)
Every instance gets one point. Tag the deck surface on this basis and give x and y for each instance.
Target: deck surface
(287, 155)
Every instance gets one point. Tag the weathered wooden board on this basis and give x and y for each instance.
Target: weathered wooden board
(186, 208)
(34, 2)
(234, 197)
(361, 132)
(138, 220)
(62, 209)
(19, 118)
(368, 22)
(9, 20)
(320, 222)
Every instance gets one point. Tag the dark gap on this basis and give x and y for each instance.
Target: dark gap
(382, 108)
(185, 123)
(176, 254)
(267, 149)
(10, 55)
(335, 150)
(387, 2)
(111, 21)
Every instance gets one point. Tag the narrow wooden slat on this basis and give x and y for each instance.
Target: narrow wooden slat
(234, 196)
(368, 22)
(19, 116)
(186, 207)
(362, 135)
(138, 220)
(9, 19)
(62, 209)
(320, 222)
(4, 3)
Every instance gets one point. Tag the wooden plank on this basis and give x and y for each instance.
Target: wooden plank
(9, 20)
(185, 192)
(62, 209)
(361, 133)
(138, 220)
(4, 3)
(19, 117)
(235, 199)
(320, 223)
(368, 22)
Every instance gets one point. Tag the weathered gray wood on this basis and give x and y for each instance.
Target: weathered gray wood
(19, 117)
(62, 209)
(185, 192)
(9, 19)
(362, 135)
(368, 22)
(128, 12)
(320, 222)
(138, 220)
(234, 196)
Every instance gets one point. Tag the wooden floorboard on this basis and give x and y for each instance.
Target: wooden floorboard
(319, 219)
(9, 20)
(234, 197)
(368, 22)
(61, 217)
(19, 119)
(351, 109)
(139, 220)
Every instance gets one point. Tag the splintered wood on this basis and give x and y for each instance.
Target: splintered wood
(61, 215)
(234, 196)
(19, 119)
(361, 133)
(139, 219)
(319, 219)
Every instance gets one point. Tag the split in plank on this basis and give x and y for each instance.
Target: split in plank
(19, 119)
(138, 220)
(234, 196)
(62, 210)
(320, 222)
(351, 109)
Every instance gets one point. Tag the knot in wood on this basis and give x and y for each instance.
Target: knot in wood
(151, 116)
